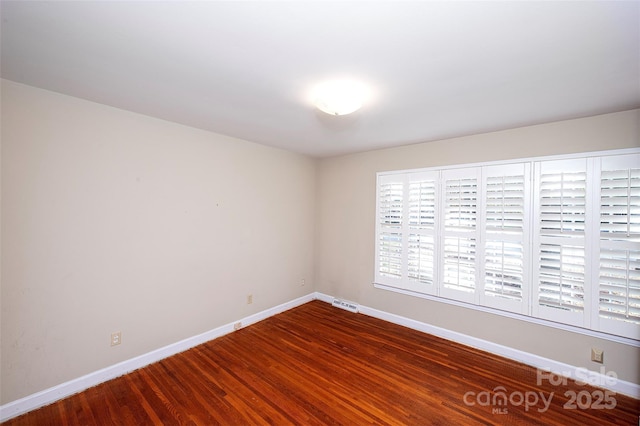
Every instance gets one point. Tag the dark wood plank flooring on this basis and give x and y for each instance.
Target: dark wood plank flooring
(318, 365)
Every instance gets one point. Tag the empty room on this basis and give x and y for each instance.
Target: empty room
(320, 212)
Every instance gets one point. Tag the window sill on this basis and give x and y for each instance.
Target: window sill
(520, 317)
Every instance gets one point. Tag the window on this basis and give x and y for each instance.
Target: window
(559, 233)
(552, 238)
(421, 229)
(405, 255)
(460, 234)
(390, 218)
(505, 240)
(618, 255)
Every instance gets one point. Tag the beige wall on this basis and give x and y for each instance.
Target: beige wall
(114, 221)
(345, 232)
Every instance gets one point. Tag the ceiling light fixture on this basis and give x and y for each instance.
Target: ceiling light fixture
(339, 97)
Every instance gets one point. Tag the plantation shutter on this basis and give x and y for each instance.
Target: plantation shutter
(460, 234)
(506, 194)
(422, 219)
(561, 212)
(390, 222)
(619, 257)
(555, 239)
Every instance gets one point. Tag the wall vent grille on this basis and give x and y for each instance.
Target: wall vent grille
(345, 304)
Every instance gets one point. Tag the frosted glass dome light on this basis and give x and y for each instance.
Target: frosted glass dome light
(340, 97)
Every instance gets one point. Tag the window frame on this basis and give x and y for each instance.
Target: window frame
(514, 169)
(528, 309)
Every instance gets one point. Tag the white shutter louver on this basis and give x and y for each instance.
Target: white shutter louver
(619, 295)
(506, 192)
(422, 216)
(459, 264)
(390, 215)
(618, 292)
(460, 234)
(561, 215)
(421, 258)
(505, 199)
(503, 270)
(620, 204)
(460, 204)
(561, 282)
(562, 203)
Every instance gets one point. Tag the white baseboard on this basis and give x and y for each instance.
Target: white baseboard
(324, 297)
(55, 393)
(598, 379)
(48, 396)
(544, 364)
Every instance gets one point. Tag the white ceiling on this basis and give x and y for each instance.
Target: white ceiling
(245, 69)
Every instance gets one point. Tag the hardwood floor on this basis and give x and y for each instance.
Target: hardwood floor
(317, 365)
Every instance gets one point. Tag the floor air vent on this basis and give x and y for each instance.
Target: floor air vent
(345, 304)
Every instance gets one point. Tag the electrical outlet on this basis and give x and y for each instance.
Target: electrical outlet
(116, 338)
(597, 355)
(302, 282)
(249, 299)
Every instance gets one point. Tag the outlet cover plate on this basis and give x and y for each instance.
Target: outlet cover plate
(597, 355)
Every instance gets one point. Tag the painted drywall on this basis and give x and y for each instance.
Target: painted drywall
(346, 226)
(115, 221)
